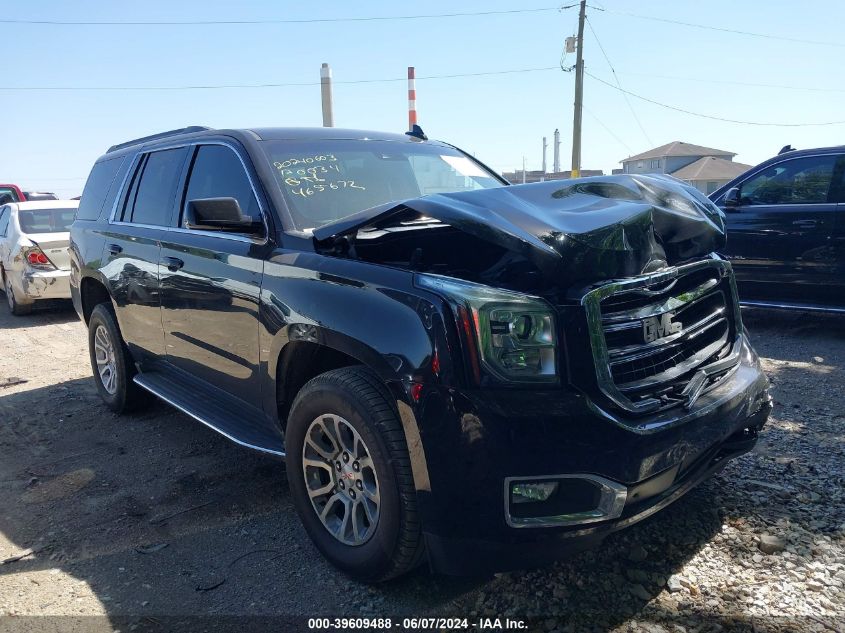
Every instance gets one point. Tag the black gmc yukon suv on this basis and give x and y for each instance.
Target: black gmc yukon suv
(480, 375)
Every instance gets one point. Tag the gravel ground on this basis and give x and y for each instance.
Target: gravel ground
(150, 517)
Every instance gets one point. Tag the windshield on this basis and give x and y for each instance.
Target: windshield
(46, 220)
(325, 181)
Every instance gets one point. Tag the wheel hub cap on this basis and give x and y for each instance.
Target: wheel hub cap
(105, 358)
(341, 479)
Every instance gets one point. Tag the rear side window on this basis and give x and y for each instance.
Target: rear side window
(4, 220)
(217, 172)
(151, 196)
(797, 181)
(46, 220)
(97, 187)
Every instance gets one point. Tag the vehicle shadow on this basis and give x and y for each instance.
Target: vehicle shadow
(159, 517)
(48, 312)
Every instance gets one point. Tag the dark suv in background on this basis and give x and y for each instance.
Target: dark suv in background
(786, 230)
(483, 375)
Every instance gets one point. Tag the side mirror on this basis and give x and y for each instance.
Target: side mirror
(219, 214)
(731, 199)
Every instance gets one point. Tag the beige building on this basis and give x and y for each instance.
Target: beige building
(705, 168)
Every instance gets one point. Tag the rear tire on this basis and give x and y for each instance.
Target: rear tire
(385, 539)
(17, 309)
(111, 362)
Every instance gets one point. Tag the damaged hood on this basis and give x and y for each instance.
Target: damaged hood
(581, 229)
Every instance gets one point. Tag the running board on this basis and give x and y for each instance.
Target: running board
(807, 307)
(228, 419)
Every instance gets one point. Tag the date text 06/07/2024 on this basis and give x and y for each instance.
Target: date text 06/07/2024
(386, 624)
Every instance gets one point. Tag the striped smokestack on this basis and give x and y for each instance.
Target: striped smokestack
(412, 99)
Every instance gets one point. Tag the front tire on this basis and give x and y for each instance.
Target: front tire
(350, 475)
(111, 362)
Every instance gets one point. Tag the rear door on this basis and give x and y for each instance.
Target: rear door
(779, 237)
(837, 290)
(211, 281)
(143, 211)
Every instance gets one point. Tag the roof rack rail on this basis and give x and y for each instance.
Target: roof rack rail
(155, 137)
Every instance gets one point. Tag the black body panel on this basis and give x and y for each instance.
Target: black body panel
(788, 245)
(224, 327)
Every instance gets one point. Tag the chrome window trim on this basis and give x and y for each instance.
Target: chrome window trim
(612, 500)
(591, 302)
(133, 166)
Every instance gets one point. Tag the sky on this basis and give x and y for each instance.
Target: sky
(51, 137)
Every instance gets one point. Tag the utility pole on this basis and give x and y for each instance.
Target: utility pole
(556, 163)
(579, 94)
(326, 94)
(523, 170)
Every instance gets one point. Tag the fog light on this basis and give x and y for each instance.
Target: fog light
(531, 491)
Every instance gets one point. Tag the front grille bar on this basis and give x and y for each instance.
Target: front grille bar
(671, 304)
(591, 302)
(674, 340)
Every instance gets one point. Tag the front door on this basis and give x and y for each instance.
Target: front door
(211, 282)
(779, 237)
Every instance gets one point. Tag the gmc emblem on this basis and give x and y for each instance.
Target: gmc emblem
(660, 327)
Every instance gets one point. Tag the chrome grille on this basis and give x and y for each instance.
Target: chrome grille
(663, 340)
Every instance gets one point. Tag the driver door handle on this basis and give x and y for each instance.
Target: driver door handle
(173, 263)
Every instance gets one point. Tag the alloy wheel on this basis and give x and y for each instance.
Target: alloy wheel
(104, 355)
(341, 479)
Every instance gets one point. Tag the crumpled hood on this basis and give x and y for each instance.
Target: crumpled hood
(581, 229)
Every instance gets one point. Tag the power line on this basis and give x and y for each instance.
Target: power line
(618, 84)
(609, 131)
(282, 85)
(273, 21)
(718, 28)
(728, 82)
(708, 116)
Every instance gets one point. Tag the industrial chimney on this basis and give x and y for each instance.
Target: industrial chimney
(412, 98)
(545, 145)
(557, 151)
(326, 95)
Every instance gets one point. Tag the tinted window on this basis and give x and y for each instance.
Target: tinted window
(8, 195)
(797, 181)
(37, 196)
(96, 188)
(151, 197)
(4, 221)
(46, 220)
(218, 173)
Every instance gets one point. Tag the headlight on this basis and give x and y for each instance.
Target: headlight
(514, 334)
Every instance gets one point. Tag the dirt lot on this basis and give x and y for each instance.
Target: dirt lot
(152, 517)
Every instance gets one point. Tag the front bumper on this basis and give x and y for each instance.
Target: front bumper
(475, 442)
(49, 284)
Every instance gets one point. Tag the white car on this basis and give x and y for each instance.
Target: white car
(34, 259)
